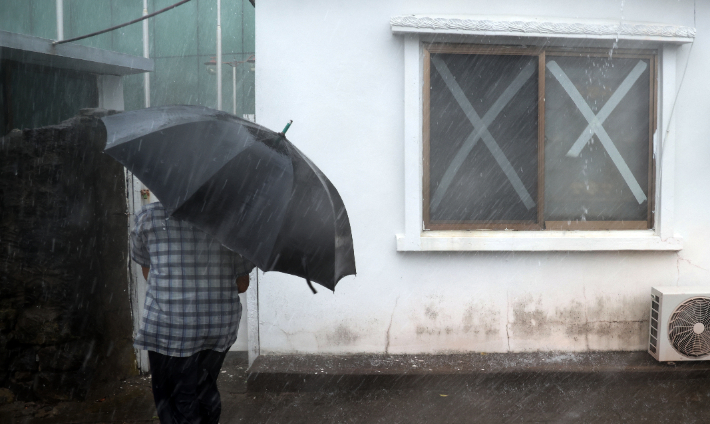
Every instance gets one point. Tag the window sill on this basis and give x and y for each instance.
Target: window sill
(543, 241)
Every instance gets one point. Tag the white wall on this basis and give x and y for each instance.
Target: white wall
(242, 343)
(336, 69)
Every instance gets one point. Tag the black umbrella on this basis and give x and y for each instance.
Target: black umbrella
(246, 185)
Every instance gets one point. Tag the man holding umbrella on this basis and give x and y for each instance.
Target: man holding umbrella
(192, 312)
(222, 181)
(245, 185)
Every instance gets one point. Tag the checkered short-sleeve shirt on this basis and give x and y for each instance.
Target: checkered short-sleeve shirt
(191, 302)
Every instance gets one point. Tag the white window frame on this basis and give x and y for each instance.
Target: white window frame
(418, 29)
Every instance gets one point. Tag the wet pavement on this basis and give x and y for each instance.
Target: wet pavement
(530, 391)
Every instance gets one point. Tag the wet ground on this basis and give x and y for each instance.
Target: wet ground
(493, 398)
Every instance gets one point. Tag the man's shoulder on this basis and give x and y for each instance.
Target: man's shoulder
(149, 213)
(155, 209)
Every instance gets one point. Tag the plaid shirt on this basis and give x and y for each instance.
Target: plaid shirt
(191, 303)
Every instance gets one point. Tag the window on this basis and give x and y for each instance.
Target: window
(538, 138)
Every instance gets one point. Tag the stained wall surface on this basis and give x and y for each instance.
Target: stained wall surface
(341, 81)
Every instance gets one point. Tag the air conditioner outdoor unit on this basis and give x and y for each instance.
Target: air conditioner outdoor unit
(680, 323)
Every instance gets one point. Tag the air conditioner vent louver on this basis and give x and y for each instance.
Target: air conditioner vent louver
(653, 342)
(689, 327)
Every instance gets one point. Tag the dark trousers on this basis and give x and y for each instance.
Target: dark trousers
(185, 389)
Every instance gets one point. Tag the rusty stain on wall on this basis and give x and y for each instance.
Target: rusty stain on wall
(343, 336)
(620, 322)
(529, 319)
(478, 319)
(479, 322)
(431, 313)
(614, 322)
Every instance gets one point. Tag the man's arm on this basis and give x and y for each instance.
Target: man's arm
(242, 283)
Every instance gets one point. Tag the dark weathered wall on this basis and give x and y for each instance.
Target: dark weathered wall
(64, 310)
(25, 90)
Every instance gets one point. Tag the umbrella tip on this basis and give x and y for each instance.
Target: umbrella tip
(286, 127)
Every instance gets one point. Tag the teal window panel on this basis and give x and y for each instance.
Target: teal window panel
(43, 18)
(83, 17)
(206, 23)
(15, 16)
(231, 27)
(244, 86)
(175, 30)
(207, 77)
(133, 90)
(249, 27)
(247, 92)
(128, 40)
(175, 81)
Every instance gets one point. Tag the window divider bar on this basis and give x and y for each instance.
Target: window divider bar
(541, 141)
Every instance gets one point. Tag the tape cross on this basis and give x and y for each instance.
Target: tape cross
(595, 121)
(480, 131)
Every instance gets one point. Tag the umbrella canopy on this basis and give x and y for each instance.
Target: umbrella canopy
(246, 185)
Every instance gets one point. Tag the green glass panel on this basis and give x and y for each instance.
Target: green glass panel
(247, 90)
(175, 30)
(43, 17)
(206, 23)
(248, 45)
(232, 27)
(175, 81)
(128, 39)
(207, 77)
(151, 29)
(82, 17)
(15, 16)
(243, 85)
(133, 92)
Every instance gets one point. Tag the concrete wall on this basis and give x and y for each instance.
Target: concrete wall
(337, 71)
(65, 316)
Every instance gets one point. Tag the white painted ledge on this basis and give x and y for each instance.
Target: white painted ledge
(545, 241)
(541, 27)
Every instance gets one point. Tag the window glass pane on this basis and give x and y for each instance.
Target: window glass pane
(483, 138)
(597, 113)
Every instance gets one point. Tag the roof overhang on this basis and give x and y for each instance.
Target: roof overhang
(533, 27)
(40, 51)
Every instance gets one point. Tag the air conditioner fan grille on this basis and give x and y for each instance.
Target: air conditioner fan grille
(689, 327)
